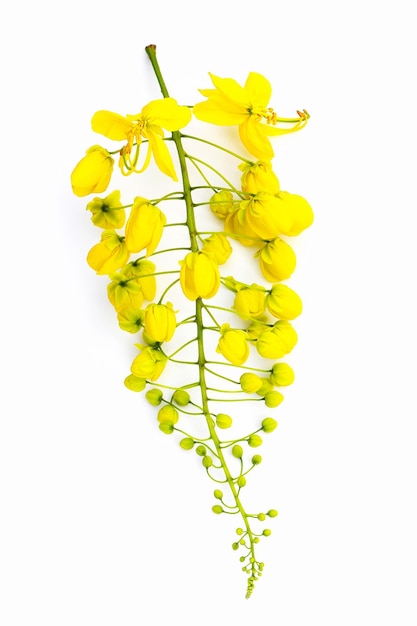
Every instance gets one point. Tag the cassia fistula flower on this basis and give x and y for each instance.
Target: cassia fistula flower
(159, 322)
(144, 227)
(250, 302)
(258, 177)
(149, 364)
(283, 302)
(230, 104)
(107, 212)
(222, 203)
(300, 212)
(199, 276)
(218, 246)
(277, 260)
(110, 254)
(93, 173)
(147, 125)
(233, 345)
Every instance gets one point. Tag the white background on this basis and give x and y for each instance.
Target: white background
(106, 521)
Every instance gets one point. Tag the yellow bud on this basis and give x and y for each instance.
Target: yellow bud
(168, 415)
(199, 276)
(218, 246)
(264, 215)
(250, 302)
(144, 227)
(299, 210)
(250, 383)
(277, 260)
(221, 203)
(258, 177)
(273, 399)
(270, 345)
(181, 397)
(283, 302)
(149, 364)
(266, 387)
(223, 420)
(134, 383)
(286, 332)
(154, 396)
(109, 255)
(282, 375)
(236, 224)
(159, 322)
(92, 174)
(233, 345)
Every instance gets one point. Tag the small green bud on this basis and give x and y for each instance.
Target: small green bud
(273, 399)
(239, 531)
(201, 450)
(256, 459)
(207, 461)
(261, 517)
(235, 546)
(168, 415)
(218, 494)
(272, 513)
(168, 429)
(154, 396)
(282, 375)
(265, 387)
(269, 424)
(187, 443)
(254, 441)
(181, 397)
(256, 540)
(237, 451)
(134, 383)
(217, 509)
(223, 420)
(242, 558)
(250, 383)
(241, 481)
(267, 532)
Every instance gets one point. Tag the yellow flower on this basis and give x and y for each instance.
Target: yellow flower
(263, 214)
(199, 276)
(277, 260)
(270, 345)
(258, 177)
(92, 174)
(283, 303)
(218, 246)
(109, 255)
(107, 212)
(125, 293)
(236, 224)
(233, 345)
(230, 104)
(144, 227)
(221, 203)
(287, 334)
(142, 272)
(149, 364)
(250, 302)
(159, 322)
(299, 210)
(148, 124)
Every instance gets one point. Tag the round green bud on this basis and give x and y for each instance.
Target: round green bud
(201, 450)
(273, 399)
(241, 481)
(266, 532)
(237, 451)
(261, 566)
(218, 494)
(235, 546)
(266, 387)
(168, 415)
(154, 396)
(168, 429)
(217, 509)
(256, 540)
(187, 443)
(261, 517)
(134, 383)
(269, 424)
(242, 558)
(250, 383)
(282, 375)
(223, 420)
(207, 461)
(181, 397)
(239, 531)
(272, 513)
(254, 441)
(256, 459)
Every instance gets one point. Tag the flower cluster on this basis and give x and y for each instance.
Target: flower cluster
(205, 338)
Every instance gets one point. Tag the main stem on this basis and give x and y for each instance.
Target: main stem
(192, 228)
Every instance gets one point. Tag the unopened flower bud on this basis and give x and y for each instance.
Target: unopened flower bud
(272, 513)
(223, 420)
(168, 415)
(233, 345)
(218, 494)
(266, 387)
(255, 441)
(167, 429)
(237, 451)
(219, 247)
(187, 443)
(266, 532)
(134, 383)
(221, 203)
(217, 509)
(269, 424)
(283, 302)
(154, 396)
(250, 383)
(273, 399)
(181, 397)
(282, 375)
(159, 322)
(241, 481)
(256, 459)
(201, 450)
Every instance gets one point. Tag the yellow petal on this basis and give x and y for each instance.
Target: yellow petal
(167, 113)
(253, 136)
(258, 89)
(111, 125)
(162, 156)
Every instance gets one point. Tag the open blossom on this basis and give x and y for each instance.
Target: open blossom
(107, 212)
(147, 125)
(92, 174)
(230, 104)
